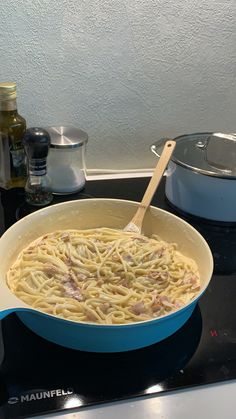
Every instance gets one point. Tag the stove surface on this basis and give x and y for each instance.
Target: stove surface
(38, 377)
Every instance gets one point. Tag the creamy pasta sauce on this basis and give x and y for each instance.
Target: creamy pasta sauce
(103, 276)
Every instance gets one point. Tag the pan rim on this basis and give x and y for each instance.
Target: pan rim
(30, 309)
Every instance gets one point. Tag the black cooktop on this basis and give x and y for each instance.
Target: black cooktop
(38, 377)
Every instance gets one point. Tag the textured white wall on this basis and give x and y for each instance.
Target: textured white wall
(125, 71)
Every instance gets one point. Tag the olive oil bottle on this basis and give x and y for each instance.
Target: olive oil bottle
(13, 171)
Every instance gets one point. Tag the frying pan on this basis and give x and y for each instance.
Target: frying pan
(92, 213)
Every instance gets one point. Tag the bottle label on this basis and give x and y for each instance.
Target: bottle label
(13, 170)
(17, 156)
(5, 170)
(37, 167)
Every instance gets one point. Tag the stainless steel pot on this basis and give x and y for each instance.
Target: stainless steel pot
(92, 213)
(201, 176)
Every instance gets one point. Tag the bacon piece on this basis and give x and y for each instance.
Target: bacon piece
(190, 279)
(159, 275)
(156, 307)
(51, 269)
(72, 291)
(166, 301)
(128, 259)
(65, 237)
(71, 288)
(195, 287)
(138, 308)
(90, 316)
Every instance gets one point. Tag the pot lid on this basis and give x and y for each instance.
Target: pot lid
(212, 154)
(66, 137)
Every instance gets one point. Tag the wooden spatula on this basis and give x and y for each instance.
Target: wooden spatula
(135, 224)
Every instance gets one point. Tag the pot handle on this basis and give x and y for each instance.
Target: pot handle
(159, 143)
(157, 148)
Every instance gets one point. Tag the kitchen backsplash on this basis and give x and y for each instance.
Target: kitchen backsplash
(127, 73)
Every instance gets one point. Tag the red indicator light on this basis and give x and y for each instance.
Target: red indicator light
(213, 333)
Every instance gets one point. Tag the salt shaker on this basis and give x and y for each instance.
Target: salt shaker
(36, 143)
(66, 159)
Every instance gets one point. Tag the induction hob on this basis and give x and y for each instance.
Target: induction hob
(38, 377)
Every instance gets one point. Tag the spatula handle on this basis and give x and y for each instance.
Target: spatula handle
(154, 182)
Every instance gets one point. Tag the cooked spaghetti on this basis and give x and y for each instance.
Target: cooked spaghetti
(103, 276)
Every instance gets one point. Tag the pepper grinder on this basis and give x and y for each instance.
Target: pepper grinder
(36, 143)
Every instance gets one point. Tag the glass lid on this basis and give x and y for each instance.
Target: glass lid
(212, 154)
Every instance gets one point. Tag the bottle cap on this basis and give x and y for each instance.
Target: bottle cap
(7, 91)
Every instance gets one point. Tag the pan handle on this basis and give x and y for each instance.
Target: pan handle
(9, 303)
(5, 312)
(6, 309)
